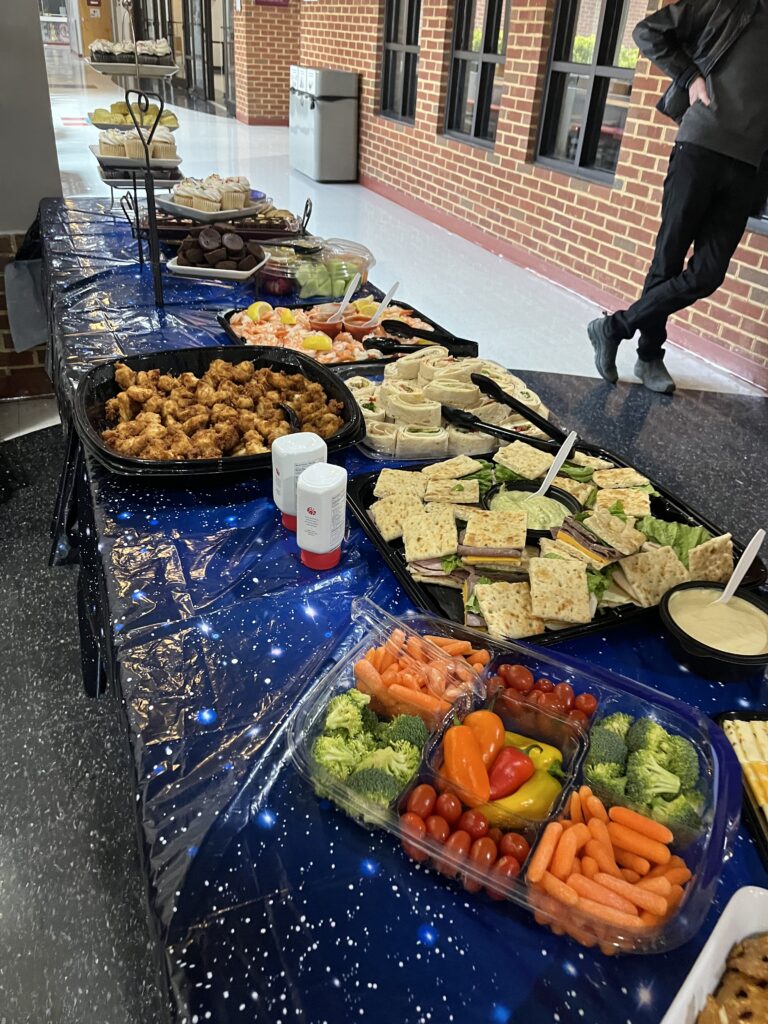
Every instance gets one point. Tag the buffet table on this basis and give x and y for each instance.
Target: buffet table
(264, 902)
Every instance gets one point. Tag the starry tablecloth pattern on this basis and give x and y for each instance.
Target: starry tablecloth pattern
(266, 903)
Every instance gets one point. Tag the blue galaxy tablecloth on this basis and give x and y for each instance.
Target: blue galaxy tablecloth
(266, 903)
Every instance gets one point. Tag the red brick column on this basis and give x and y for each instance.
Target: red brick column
(266, 44)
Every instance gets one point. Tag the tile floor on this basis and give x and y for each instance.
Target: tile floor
(520, 318)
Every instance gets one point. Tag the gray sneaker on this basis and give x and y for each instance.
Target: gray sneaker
(655, 376)
(605, 349)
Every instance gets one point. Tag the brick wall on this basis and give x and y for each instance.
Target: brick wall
(21, 373)
(598, 237)
(266, 44)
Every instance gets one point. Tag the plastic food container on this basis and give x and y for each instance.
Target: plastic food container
(297, 277)
(745, 915)
(720, 774)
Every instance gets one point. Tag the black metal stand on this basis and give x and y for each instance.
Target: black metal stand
(142, 103)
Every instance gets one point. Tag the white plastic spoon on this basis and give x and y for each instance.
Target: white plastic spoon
(742, 567)
(338, 316)
(554, 469)
(383, 307)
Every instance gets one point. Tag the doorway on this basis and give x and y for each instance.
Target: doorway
(209, 50)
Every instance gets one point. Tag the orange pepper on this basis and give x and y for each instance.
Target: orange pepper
(463, 766)
(489, 733)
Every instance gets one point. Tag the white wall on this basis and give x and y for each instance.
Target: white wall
(29, 169)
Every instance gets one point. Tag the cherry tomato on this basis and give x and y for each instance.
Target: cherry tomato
(551, 702)
(448, 806)
(474, 824)
(503, 871)
(514, 703)
(482, 856)
(519, 678)
(514, 845)
(437, 828)
(455, 849)
(586, 702)
(422, 801)
(578, 716)
(565, 694)
(496, 835)
(495, 683)
(534, 697)
(544, 685)
(412, 827)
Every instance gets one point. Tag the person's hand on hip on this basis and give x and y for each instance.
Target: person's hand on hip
(698, 92)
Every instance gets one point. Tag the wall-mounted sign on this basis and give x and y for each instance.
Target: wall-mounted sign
(94, 3)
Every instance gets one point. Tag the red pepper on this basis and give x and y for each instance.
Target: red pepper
(511, 769)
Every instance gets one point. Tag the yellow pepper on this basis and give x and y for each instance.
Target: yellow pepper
(543, 755)
(533, 800)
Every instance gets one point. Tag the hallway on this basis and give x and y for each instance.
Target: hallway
(519, 317)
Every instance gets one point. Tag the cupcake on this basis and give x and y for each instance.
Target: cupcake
(124, 53)
(163, 146)
(184, 193)
(214, 181)
(145, 51)
(208, 199)
(112, 143)
(232, 195)
(162, 52)
(134, 146)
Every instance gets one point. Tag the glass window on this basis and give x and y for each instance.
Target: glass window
(590, 83)
(476, 84)
(401, 58)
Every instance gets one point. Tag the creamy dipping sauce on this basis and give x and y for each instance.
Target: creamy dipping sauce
(737, 627)
(543, 513)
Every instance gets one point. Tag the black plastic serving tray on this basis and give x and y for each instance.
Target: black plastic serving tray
(756, 820)
(224, 322)
(98, 385)
(449, 603)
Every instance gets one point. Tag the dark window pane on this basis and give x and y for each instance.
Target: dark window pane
(565, 115)
(626, 53)
(410, 79)
(466, 82)
(397, 16)
(393, 79)
(613, 120)
(577, 31)
(414, 21)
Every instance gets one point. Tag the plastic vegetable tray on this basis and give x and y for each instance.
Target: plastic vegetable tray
(720, 777)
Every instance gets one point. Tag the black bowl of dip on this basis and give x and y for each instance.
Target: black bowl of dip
(571, 505)
(711, 661)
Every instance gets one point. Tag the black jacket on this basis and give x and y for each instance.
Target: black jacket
(688, 38)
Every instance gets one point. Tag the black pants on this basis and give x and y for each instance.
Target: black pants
(707, 201)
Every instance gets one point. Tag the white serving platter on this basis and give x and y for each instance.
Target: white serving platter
(160, 183)
(144, 70)
(212, 272)
(126, 127)
(202, 217)
(745, 915)
(134, 161)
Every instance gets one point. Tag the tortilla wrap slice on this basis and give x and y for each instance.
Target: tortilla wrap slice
(452, 469)
(634, 502)
(648, 575)
(390, 513)
(429, 536)
(524, 460)
(461, 442)
(421, 442)
(712, 561)
(457, 492)
(506, 608)
(619, 478)
(397, 481)
(459, 394)
(559, 590)
(382, 437)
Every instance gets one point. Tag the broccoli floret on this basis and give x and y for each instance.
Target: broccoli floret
(647, 779)
(607, 781)
(683, 761)
(645, 734)
(374, 785)
(339, 755)
(606, 747)
(618, 723)
(370, 721)
(400, 760)
(680, 814)
(345, 712)
(408, 728)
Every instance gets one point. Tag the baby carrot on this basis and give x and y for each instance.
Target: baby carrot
(589, 866)
(570, 842)
(640, 897)
(584, 793)
(602, 855)
(600, 894)
(395, 642)
(482, 656)
(407, 679)
(650, 920)
(629, 875)
(675, 897)
(596, 809)
(556, 888)
(576, 867)
(390, 675)
(599, 831)
(661, 886)
(609, 915)
(456, 648)
(640, 823)
(543, 853)
(631, 860)
(633, 841)
(678, 876)
(574, 807)
(439, 641)
(415, 648)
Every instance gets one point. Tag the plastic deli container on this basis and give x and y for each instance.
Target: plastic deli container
(542, 729)
(297, 277)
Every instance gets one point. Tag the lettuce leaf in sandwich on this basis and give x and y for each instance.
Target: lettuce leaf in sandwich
(582, 474)
(679, 536)
(505, 476)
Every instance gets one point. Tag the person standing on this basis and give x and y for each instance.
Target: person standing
(716, 53)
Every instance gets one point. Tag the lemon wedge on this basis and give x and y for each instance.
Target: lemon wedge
(317, 342)
(258, 310)
(287, 317)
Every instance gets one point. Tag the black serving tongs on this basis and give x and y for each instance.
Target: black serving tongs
(468, 421)
(493, 390)
(456, 346)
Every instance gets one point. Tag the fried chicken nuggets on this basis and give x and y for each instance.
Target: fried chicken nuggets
(232, 410)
